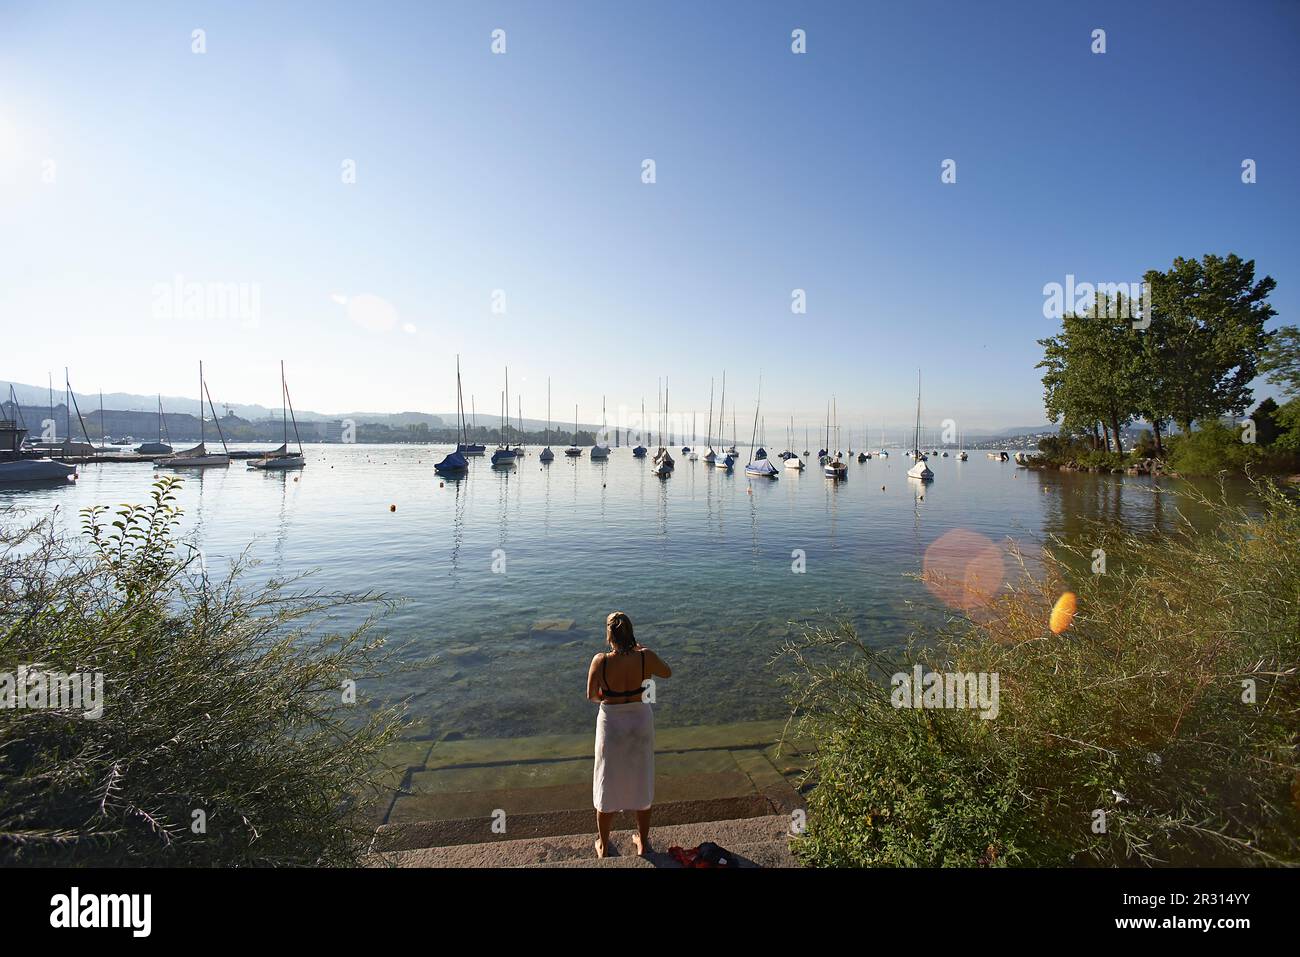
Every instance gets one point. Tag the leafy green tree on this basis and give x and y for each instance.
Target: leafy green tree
(1092, 370)
(1205, 338)
(1281, 359)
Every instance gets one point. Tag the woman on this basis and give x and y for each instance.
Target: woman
(625, 731)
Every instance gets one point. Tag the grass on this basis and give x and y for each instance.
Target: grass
(225, 738)
(1161, 728)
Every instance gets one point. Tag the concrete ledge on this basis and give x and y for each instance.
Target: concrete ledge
(428, 834)
(756, 842)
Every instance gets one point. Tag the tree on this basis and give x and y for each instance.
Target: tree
(1206, 334)
(1092, 370)
(1281, 359)
(1265, 419)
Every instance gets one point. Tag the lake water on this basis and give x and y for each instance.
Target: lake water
(494, 565)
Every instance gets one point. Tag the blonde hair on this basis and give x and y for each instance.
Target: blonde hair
(618, 631)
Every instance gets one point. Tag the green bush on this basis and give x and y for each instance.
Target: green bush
(217, 699)
(1212, 448)
(1139, 711)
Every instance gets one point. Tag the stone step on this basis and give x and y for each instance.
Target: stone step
(761, 841)
(539, 799)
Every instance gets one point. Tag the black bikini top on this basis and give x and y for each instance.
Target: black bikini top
(609, 692)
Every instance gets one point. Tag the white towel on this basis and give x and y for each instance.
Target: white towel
(624, 778)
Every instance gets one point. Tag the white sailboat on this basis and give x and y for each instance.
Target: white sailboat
(724, 460)
(792, 460)
(919, 469)
(760, 466)
(199, 456)
(282, 459)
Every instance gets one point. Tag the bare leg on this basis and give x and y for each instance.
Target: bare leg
(603, 822)
(642, 837)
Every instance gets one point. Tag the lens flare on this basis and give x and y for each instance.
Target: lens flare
(963, 569)
(1063, 612)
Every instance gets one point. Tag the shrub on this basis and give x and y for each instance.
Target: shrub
(217, 699)
(1137, 716)
(1212, 448)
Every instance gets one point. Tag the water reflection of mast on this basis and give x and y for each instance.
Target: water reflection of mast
(503, 496)
(283, 528)
(457, 522)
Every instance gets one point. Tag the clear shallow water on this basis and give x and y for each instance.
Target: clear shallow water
(702, 561)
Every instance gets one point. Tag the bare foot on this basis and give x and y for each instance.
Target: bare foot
(600, 848)
(641, 846)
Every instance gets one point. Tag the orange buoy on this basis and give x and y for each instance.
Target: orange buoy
(1063, 612)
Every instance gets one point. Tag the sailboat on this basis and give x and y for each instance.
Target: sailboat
(547, 455)
(919, 469)
(691, 454)
(833, 468)
(864, 455)
(663, 461)
(519, 428)
(573, 451)
(759, 466)
(17, 469)
(711, 457)
(598, 451)
(456, 462)
(160, 447)
(199, 456)
(792, 460)
(762, 452)
(726, 460)
(282, 459)
(466, 447)
(732, 451)
(504, 456)
(640, 450)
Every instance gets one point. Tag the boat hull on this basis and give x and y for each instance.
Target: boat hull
(36, 470)
(281, 463)
(195, 461)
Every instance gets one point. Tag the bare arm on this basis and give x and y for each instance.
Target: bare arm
(655, 665)
(593, 686)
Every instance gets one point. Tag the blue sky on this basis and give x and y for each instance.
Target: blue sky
(522, 172)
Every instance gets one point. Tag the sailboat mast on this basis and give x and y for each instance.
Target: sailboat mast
(202, 432)
(284, 407)
(710, 440)
(916, 433)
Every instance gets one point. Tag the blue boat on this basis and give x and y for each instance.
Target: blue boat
(456, 462)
